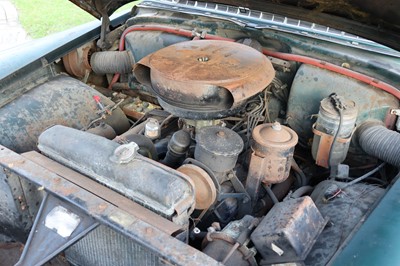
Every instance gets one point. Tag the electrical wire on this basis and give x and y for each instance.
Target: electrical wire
(361, 178)
(271, 194)
(335, 138)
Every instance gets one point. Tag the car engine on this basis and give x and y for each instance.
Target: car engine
(257, 158)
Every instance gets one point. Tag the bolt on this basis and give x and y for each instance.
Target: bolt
(211, 229)
(196, 230)
(221, 134)
(276, 126)
(203, 59)
(149, 230)
(395, 112)
(230, 176)
(216, 226)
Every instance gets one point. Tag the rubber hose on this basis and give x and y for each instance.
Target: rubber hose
(380, 142)
(103, 130)
(162, 147)
(110, 62)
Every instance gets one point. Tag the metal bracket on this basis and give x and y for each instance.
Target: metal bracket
(20, 200)
(223, 196)
(57, 226)
(396, 112)
(238, 186)
(325, 145)
(105, 28)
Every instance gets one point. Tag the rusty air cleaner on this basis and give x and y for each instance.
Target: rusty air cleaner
(205, 79)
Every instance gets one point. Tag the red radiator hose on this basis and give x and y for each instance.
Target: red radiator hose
(284, 56)
(176, 31)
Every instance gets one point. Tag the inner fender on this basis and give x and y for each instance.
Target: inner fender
(60, 101)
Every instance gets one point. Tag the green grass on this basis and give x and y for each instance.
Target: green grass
(43, 17)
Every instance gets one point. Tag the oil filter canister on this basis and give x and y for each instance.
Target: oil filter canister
(273, 148)
(275, 144)
(218, 148)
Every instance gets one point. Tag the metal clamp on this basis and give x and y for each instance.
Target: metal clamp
(325, 144)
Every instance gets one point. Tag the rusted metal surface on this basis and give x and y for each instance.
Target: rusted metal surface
(325, 151)
(99, 8)
(325, 144)
(11, 251)
(26, 211)
(229, 245)
(206, 75)
(274, 144)
(288, 232)
(206, 192)
(131, 112)
(147, 182)
(272, 136)
(107, 194)
(137, 107)
(103, 246)
(130, 225)
(77, 63)
(312, 84)
(61, 101)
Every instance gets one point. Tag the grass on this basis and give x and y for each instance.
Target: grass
(43, 17)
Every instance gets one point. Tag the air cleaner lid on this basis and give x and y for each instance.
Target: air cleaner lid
(205, 76)
(219, 140)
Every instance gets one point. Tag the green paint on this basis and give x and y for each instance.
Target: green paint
(377, 242)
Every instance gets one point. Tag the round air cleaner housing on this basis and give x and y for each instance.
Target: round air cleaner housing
(205, 79)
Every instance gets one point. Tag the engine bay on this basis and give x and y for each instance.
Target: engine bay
(259, 156)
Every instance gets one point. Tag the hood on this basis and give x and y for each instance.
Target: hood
(376, 20)
(100, 8)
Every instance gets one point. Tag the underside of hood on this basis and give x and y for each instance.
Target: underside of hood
(100, 8)
(376, 20)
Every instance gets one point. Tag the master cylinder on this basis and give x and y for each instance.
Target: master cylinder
(336, 113)
(273, 147)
